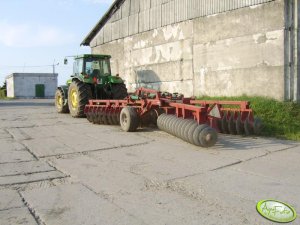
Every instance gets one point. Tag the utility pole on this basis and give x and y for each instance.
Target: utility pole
(53, 66)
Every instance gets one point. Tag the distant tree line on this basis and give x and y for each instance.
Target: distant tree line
(3, 90)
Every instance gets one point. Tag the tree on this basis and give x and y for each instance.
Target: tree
(3, 90)
(4, 85)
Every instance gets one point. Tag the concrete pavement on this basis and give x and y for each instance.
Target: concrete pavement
(55, 169)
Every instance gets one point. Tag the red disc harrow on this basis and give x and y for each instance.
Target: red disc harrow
(194, 121)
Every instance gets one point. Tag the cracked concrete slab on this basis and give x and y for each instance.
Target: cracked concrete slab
(238, 190)
(75, 204)
(17, 216)
(20, 168)
(4, 134)
(18, 134)
(108, 178)
(60, 140)
(166, 159)
(151, 201)
(15, 156)
(12, 151)
(10, 199)
(8, 145)
(47, 147)
(271, 166)
(244, 148)
(78, 171)
(28, 178)
(165, 206)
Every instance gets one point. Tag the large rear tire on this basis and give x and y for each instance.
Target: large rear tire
(119, 91)
(60, 100)
(78, 96)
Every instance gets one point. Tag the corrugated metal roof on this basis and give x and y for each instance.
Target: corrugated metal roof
(113, 8)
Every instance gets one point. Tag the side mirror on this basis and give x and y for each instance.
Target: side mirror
(65, 61)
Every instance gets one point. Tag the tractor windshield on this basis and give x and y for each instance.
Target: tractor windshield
(97, 67)
(77, 66)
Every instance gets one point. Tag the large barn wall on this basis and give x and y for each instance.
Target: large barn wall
(231, 53)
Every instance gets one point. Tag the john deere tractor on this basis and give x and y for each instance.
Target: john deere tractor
(91, 79)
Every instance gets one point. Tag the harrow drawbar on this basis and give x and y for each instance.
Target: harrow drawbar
(193, 121)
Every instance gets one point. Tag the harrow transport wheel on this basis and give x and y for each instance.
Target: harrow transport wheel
(60, 105)
(78, 96)
(129, 119)
(208, 137)
(196, 134)
(119, 91)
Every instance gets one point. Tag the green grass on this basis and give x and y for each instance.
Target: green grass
(7, 98)
(280, 119)
(2, 94)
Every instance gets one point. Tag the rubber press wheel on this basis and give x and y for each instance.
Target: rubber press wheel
(78, 96)
(208, 137)
(129, 119)
(60, 100)
(196, 134)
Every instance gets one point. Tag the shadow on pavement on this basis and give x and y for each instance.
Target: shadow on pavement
(27, 102)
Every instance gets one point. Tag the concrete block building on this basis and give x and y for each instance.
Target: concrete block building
(31, 85)
(203, 47)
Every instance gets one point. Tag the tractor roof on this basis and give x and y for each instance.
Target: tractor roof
(92, 56)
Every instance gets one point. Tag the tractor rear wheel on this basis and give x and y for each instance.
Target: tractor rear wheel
(119, 91)
(78, 96)
(60, 105)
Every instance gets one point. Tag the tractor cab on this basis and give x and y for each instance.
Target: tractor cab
(91, 68)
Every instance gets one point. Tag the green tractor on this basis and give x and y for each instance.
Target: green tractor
(91, 79)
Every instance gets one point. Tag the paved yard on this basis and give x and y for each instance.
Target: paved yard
(57, 170)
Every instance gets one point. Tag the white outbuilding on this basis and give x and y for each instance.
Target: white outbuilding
(31, 85)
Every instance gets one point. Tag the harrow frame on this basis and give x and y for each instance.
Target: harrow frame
(149, 104)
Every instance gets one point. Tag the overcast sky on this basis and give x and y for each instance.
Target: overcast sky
(37, 32)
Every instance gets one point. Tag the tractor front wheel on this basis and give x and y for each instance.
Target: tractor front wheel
(60, 105)
(78, 96)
